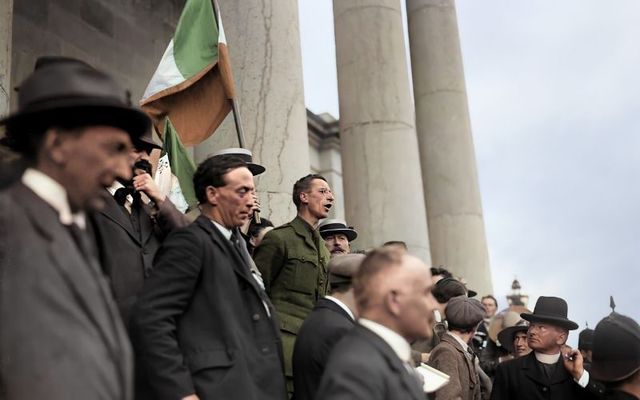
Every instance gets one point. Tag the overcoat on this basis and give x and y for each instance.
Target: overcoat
(322, 329)
(449, 357)
(362, 366)
(60, 333)
(203, 325)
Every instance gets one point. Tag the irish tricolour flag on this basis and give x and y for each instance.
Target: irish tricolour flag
(193, 83)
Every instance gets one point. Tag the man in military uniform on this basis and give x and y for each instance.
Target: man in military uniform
(293, 261)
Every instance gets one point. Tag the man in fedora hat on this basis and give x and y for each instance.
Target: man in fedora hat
(514, 339)
(616, 356)
(333, 316)
(547, 372)
(337, 236)
(61, 336)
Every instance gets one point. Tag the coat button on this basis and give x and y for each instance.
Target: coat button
(265, 349)
(255, 317)
(544, 389)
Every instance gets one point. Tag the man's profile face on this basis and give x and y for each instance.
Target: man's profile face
(235, 199)
(94, 158)
(319, 198)
(489, 306)
(415, 298)
(545, 338)
(337, 244)
(520, 346)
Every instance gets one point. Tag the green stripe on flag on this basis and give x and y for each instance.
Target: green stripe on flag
(195, 44)
(182, 166)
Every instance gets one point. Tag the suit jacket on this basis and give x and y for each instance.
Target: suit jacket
(322, 329)
(201, 323)
(524, 379)
(60, 333)
(449, 357)
(362, 366)
(126, 254)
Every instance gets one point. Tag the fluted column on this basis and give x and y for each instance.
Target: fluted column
(6, 19)
(381, 168)
(451, 190)
(263, 37)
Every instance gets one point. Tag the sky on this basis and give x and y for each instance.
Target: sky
(554, 99)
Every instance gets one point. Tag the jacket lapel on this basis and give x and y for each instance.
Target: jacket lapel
(468, 362)
(117, 214)
(302, 229)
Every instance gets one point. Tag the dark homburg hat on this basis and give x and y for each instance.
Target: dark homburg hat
(616, 348)
(245, 155)
(551, 310)
(68, 92)
(330, 227)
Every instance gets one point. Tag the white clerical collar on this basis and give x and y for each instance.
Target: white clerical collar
(225, 232)
(458, 339)
(53, 194)
(342, 305)
(547, 358)
(399, 344)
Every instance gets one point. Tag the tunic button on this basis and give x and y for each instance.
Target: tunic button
(256, 317)
(544, 389)
(265, 349)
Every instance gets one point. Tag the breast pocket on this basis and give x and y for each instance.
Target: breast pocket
(304, 274)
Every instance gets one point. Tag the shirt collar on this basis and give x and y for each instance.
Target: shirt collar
(225, 232)
(342, 305)
(399, 344)
(458, 339)
(547, 358)
(53, 194)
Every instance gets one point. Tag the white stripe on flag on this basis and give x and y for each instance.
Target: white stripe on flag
(167, 74)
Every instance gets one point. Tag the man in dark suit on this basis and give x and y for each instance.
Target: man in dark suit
(60, 333)
(203, 328)
(547, 372)
(332, 317)
(129, 229)
(373, 360)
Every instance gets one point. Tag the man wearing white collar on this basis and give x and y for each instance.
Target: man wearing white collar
(373, 361)
(547, 372)
(61, 335)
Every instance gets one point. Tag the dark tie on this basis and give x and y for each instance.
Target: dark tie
(121, 195)
(241, 247)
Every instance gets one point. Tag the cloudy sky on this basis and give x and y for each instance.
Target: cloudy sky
(554, 96)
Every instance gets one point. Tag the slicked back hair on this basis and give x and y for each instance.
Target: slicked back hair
(303, 185)
(376, 261)
(211, 172)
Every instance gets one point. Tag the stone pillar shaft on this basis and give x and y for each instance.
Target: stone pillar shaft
(452, 194)
(381, 167)
(264, 43)
(6, 19)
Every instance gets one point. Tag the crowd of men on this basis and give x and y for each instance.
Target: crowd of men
(109, 291)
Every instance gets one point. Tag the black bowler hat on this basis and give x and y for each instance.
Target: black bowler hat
(243, 154)
(146, 142)
(616, 348)
(552, 311)
(330, 227)
(68, 92)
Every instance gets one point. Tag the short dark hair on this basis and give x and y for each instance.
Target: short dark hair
(255, 228)
(376, 261)
(211, 172)
(396, 243)
(490, 297)
(441, 271)
(302, 185)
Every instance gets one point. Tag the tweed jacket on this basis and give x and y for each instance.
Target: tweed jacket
(449, 357)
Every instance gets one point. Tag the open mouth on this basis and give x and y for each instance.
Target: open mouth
(327, 207)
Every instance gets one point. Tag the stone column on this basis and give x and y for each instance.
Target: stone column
(451, 190)
(264, 43)
(381, 167)
(6, 18)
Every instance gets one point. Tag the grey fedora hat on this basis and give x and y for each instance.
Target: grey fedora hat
(330, 227)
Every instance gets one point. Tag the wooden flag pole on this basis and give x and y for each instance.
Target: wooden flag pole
(238, 123)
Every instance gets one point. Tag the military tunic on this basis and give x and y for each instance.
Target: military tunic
(293, 261)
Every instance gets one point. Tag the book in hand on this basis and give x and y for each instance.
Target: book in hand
(433, 379)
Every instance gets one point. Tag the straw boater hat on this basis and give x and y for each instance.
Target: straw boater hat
(330, 227)
(552, 311)
(68, 92)
(243, 154)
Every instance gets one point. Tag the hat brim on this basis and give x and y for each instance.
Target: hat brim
(349, 233)
(256, 169)
(505, 336)
(471, 293)
(613, 371)
(130, 120)
(551, 320)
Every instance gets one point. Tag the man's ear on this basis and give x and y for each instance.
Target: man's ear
(391, 302)
(304, 198)
(55, 146)
(212, 195)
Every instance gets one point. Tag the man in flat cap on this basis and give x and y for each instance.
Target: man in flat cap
(373, 360)
(547, 372)
(616, 356)
(333, 316)
(203, 328)
(337, 236)
(293, 261)
(61, 336)
(453, 355)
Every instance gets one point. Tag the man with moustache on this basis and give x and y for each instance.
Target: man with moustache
(546, 373)
(60, 333)
(373, 361)
(293, 261)
(203, 327)
(337, 236)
